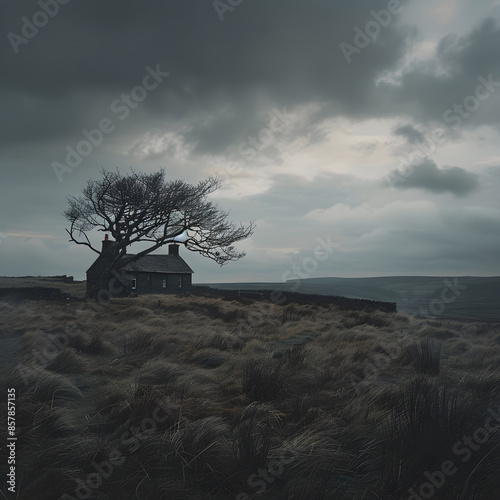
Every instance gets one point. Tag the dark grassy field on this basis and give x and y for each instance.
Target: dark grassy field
(170, 397)
(74, 288)
(464, 298)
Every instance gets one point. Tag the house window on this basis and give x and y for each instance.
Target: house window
(134, 282)
(164, 283)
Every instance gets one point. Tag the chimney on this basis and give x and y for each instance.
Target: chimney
(107, 245)
(173, 249)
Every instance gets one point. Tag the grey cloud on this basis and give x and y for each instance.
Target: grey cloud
(427, 89)
(265, 54)
(428, 176)
(408, 131)
(365, 147)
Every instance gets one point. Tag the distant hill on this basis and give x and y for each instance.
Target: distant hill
(463, 298)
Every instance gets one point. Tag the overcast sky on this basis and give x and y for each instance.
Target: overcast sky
(370, 126)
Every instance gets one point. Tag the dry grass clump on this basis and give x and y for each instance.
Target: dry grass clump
(437, 332)
(476, 356)
(251, 440)
(134, 311)
(208, 358)
(49, 388)
(42, 408)
(220, 399)
(266, 379)
(426, 427)
(68, 361)
(486, 381)
(145, 400)
(221, 340)
(97, 346)
(255, 346)
(425, 356)
(143, 340)
(160, 371)
(211, 307)
(6, 308)
(294, 313)
(357, 318)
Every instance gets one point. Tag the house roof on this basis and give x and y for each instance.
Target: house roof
(166, 264)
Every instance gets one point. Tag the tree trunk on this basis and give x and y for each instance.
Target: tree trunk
(106, 284)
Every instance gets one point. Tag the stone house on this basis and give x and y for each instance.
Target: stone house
(152, 273)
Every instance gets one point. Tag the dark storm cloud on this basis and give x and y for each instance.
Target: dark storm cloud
(223, 74)
(428, 89)
(428, 176)
(226, 75)
(296, 196)
(408, 131)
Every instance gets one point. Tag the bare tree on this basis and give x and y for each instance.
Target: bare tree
(143, 207)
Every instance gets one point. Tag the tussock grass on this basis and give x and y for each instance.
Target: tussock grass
(159, 371)
(265, 379)
(425, 356)
(486, 382)
(252, 436)
(424, 429)
(325, 403)
(208, 358)
(67, 361)
(50, 388)
(294, 313)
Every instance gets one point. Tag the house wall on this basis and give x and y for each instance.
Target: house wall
(96, 279)
(153, 282)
